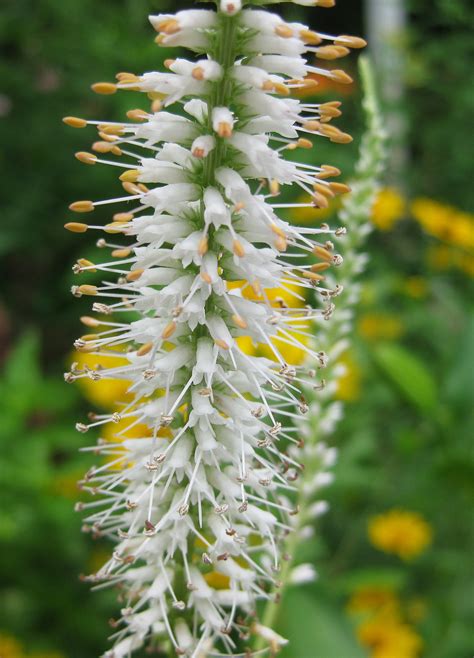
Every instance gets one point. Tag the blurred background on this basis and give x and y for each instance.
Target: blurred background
(393, 555)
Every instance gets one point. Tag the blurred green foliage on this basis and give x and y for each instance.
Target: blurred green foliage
(406, 438)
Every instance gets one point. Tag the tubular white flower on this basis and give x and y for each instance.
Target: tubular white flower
(193, 488)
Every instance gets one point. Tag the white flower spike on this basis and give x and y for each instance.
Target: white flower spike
(195, 488)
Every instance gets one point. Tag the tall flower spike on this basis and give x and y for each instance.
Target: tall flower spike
(194, 489)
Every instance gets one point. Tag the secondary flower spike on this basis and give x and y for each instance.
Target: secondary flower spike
(195, 489)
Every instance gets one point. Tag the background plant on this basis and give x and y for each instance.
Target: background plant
(404, 442)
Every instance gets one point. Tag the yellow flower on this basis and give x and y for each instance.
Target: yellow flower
(105, 392)
(349, 385)
(415, 286)
(10, 647)
(445, 222)
(217, 580)
(373, 599)
(389, 207)
(376, 326)
(403, 533)
(389, 637)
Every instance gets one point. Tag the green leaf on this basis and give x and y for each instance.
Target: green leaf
(315, 628)
(409, 374)
(379, 577)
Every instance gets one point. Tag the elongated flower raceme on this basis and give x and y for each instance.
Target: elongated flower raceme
(197, 501)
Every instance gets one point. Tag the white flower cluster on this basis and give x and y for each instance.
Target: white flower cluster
(198, 502)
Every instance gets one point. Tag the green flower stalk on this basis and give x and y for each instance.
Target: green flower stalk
(199, 503)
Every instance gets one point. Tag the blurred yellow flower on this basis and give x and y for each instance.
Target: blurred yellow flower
(217, 580)
(403, 533)
(389, 207)
(415, 286)
(349, 385)
(376, 326)
(443, 257)
(10, 647)
(373, 599)
(105, 392)
(65, 485)
(389, 637)
(445, 222)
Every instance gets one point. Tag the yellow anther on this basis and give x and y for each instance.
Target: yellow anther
(83, 262)
(313, 276)
(341, 76)
(310, 83)
(87, 338)
(274, 187)
(328, 171)
(320, 267)
(82, 206)
(239, 206)
(281, 243)
(145, 349)
(156, 106)
(327, 110)
(75, 122)
(89, 322)
(198, 73)
(131, 188)
(310, 37)
(114, 227)
(137, 115)
(221, 343)
(278, 230)
(87, 290)
(205, 276)
(123, 217)
(169, 330)
(239, 321)
(342, 138)
(339, 188)
(169, 26)
(86, 158)
(121, 253)
(75, 227)
(105, 88)
(203, 246)
(313, 126)
(319, 200)
(323, 253)
(168, 63)
(111, 129)
(350, 42)
(324, 189)
(238, 249)
(281, 88)
(284, 30)
(107, 138)
(328, 52)
(103, 147)
(130, 176)
(224, 130)
(143, 188)
(125, 75)
(327, 4)
(134, 275)
(304, 143)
